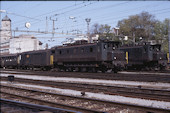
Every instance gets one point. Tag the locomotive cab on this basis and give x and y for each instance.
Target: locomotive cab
(114, 57)
(145, 56)
(159, 57)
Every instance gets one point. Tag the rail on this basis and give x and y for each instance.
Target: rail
(37, 107)
(137, 92)
(133, 106)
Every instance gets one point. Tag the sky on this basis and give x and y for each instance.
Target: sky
(70, 16)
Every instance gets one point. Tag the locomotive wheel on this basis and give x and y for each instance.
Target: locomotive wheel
(78, 69)
(115, 70)
(83, 69)
(162, 68)
(87, 69)
(32, 68)
(94, 70)
(103, 70)
(47, 68)
(138, 68)
(58, 68)
(70, 69)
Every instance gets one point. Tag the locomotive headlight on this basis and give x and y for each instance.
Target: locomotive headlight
(160, 58)
(114, 58)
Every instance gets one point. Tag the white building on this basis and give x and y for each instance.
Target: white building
(11, 45)
(24, 43)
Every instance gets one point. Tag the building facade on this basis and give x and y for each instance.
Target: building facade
(5, 35)
(24, 43)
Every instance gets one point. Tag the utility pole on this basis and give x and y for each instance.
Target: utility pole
(53, 25)
(46, 24)
(169, 41)
(88, 32)
(133, 38)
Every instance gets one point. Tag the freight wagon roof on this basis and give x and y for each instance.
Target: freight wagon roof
(37, 51)
(8, 55)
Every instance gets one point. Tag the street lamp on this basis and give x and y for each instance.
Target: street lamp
(88, 33)
(72, 17)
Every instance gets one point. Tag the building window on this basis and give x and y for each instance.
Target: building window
(91, 49)
(60, 52)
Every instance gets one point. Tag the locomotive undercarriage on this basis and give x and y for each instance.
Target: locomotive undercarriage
(157, 65)
(149, 66)
(87, 66)
(44, 68)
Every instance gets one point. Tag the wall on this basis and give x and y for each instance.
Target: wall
(24, 43)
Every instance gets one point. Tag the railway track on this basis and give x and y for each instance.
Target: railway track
(32, 96)
(135, 92)
(164, 77)
(10, 106)
(81, 104)
(22, 70)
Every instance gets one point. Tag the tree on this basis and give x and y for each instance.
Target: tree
(161, 31)
(95, 28)
(104, 31)
(136, 26)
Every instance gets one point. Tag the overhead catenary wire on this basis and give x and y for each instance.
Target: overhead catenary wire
(123, 16)
(23, 16)
(73, 9)
(111, 5)
(62, 13)
(107, 19)
(117, 4)
(38, 16)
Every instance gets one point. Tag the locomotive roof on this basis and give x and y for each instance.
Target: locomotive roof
(141, 45)
(67, 46)
(86, 44)
(155, 44)
(107, 41)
